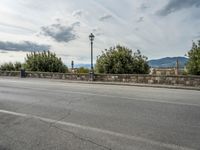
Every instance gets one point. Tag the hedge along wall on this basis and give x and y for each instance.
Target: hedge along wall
(128, 78)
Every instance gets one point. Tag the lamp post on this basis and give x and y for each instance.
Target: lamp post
(91, 37)
(72, 68)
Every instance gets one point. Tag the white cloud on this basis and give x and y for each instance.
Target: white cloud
(25, 46)
(60, 32)
(77, 13)
(105, 17)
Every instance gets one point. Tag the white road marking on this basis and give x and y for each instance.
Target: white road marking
(111, 133)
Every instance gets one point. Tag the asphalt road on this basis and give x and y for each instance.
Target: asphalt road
(38, 114)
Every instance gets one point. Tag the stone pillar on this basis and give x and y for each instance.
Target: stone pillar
(177, 68)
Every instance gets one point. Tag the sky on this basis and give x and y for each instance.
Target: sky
(158, 28)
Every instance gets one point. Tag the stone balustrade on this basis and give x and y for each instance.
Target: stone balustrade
(183, 80)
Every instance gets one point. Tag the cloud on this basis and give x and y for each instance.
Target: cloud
(3, 52)
(105, 17)
(197, 36)
(136, 29)
(60, 32)
(25, 46)
(141, 19)
(176, 5)
(77, 13)
(144, 7)
(16, 27)
(97, 31)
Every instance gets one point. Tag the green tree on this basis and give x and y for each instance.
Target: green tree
(18, 66)
(121, 60)
(7, 67)
(11, 66)
(44, 62)
(83, 70)
(193, 65)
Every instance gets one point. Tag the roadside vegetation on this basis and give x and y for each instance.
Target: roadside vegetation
(83, 70)
(44, 62)
(38, 61)
(11, 66)
(193, 65)
(122, 60)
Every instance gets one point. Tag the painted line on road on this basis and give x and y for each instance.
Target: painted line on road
(111, 133)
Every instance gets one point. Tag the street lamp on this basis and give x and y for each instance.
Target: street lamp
(72, 66)
(91, 37)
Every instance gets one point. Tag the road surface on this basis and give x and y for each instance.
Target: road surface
(37, 114)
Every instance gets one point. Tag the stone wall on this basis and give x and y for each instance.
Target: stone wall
(64, 76)
(151, 79)
(10, 73)
(127, 78)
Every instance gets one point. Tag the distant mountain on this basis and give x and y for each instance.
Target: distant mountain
(82, 65)
(168, 62)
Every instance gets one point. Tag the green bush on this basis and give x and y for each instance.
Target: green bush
(83, 70)
(18, 66)
(121, 60)
(44, 62)
(7, 67)
(11, 66)
(193, 65)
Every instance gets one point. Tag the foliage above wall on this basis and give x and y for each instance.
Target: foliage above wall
(193, 65)
(121, 60)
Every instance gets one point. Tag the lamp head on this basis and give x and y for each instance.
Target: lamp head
(91, 36)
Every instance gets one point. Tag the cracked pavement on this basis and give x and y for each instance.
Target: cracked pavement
(57, 115)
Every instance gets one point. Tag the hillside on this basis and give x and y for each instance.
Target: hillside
(156, 63)
(82, 65)
(168, 62)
